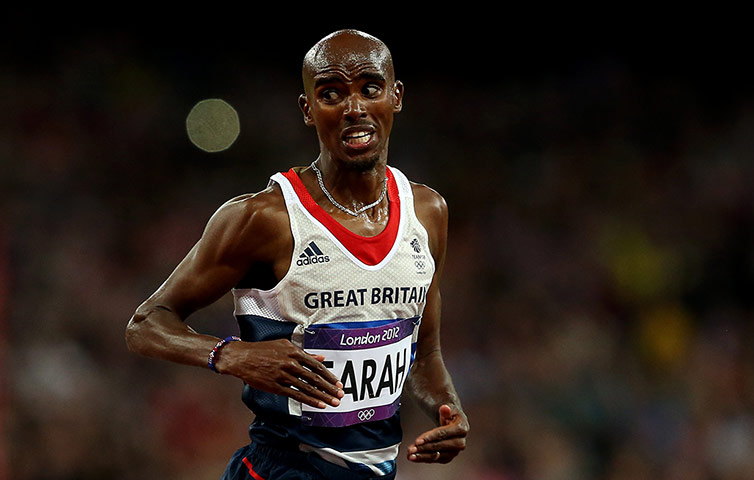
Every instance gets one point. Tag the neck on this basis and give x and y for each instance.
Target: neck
(353, 185)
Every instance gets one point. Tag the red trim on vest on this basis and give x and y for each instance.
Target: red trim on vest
(369, 250)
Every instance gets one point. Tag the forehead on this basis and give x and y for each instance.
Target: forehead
(349, 55)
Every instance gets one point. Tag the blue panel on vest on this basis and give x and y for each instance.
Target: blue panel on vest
(254, 328)
(258, 329)
(344, 325)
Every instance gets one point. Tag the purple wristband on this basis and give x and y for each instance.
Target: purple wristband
(213, 353)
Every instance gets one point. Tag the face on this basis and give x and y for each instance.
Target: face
(351, 97)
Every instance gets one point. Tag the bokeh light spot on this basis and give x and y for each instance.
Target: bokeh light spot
(213, 125)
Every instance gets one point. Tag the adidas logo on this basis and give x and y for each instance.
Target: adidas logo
(312, 254)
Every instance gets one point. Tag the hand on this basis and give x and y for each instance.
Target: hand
(279, 367)
(444, 443)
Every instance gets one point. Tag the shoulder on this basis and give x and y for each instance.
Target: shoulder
(248, 221)
(252, 208)
(430, 206)
(432, 211)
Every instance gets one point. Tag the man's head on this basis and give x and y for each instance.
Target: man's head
(351, 96)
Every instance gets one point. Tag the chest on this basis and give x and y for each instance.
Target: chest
(328, 282)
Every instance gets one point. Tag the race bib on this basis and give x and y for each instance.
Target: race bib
(372, 363)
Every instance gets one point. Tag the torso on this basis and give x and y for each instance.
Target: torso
(330, 280)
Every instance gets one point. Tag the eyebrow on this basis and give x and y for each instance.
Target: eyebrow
(372, 76)
(336, 78)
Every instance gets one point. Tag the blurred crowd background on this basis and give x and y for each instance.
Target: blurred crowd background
(598, 307)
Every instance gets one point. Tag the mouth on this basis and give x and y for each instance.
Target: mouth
(358, 137)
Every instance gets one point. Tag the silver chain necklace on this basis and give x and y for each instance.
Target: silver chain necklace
(341, 207)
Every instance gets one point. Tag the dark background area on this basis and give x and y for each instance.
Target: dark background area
(598, 170)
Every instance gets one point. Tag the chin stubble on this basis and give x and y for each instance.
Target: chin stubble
(364, 164)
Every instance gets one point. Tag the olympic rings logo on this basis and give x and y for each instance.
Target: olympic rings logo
(365, 415)
(419, 264)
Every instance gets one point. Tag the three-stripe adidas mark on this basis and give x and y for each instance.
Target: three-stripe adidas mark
(312, 254)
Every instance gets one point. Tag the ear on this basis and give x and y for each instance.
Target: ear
(303, 104)
(398, 96)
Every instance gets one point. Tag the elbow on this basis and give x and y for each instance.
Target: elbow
(147, 331)
(135, 334)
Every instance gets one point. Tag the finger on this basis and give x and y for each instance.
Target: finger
(446, 415)
(304, 387)
(450, 445)
(439, 434)
(301, 392)
(320, 380)
(314, 364)
(422, 457)
(301, 397)
(432, 457)
(318, 384)
(311, 376)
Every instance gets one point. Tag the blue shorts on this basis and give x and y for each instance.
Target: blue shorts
(262, 462)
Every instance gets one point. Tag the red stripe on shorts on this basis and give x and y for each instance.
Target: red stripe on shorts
(251, 470)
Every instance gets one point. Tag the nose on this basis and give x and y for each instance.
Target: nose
(355, 107)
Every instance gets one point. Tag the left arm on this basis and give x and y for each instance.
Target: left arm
(430, 383)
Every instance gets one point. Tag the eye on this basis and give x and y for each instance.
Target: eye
(329, 95)
(371, 90)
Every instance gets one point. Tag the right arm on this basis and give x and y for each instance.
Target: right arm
(243, 232)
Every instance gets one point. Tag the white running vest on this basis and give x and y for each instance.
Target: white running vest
(356, 300)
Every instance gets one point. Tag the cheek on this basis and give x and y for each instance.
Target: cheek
(387, 109)
(327, 115)
(386, 116)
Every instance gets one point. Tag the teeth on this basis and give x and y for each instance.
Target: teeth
(359, 138)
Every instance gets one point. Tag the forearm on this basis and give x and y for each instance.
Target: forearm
(431, 386)
(275, 366)
(158, 332)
